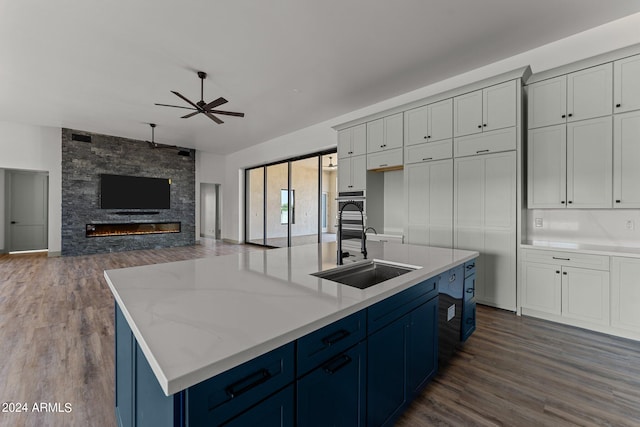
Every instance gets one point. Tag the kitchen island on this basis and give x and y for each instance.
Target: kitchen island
(182, 326)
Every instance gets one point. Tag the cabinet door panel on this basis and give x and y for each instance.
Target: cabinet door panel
(416, 179)
(276, 411)
(497, 286)
(344, 175)
(546, 167)
(500, 191)
(422, 350)
(626, 158)
(393, 131)
(585, 295)
(626, 89)
(589, 93)
(375, 136)
(416, 126)
(625, 293)
(440, 116)
(469, 192)
(358, 172)
(467, 113)
(499, 106)
(547, 101)
(344, 143)
(359, 140)
(541, 287)
(386, 385)
(589, 163)
(440, 185)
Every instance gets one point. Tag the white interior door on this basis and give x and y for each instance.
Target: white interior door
(28, 206)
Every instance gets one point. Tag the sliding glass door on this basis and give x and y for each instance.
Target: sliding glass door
(290, 203)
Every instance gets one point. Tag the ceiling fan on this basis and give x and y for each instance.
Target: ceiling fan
(202, 107)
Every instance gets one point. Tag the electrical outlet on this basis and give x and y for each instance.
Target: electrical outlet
(630, 225)
(538, 222)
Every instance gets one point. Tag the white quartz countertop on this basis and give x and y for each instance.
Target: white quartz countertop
(582, 248)
(195, 319)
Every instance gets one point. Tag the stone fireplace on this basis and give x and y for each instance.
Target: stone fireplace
(129, 229)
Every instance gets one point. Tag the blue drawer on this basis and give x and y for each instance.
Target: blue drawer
(394, 307)
(469, 287)
(228, 394)
(319, 346)
(470, 267)
(452, 282)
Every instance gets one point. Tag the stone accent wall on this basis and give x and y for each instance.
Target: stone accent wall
(82, 164)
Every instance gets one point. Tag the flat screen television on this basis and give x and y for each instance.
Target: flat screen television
(134, 192)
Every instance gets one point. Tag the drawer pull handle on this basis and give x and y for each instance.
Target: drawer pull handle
(427, 158)
(562, 259)
(557, 271)
(618, 105)
(470, 290)
(247, 383)
(564, 272)
(452, 278)
(335, 365)
(384, 164)
(470, 266)
(335, 337)
(482, 151)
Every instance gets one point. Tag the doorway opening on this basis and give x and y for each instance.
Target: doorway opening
(25, 212)
(210, 226)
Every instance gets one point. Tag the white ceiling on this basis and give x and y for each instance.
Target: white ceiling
(101, 65)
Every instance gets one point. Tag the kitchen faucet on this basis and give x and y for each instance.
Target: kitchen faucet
(363, 239)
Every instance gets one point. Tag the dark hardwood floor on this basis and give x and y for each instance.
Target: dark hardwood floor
(56, 347)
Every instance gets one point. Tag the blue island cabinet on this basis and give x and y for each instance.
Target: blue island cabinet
(402, 350)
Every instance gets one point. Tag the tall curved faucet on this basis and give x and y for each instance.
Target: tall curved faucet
(363, 239)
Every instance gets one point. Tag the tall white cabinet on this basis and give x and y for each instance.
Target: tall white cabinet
(485, 220)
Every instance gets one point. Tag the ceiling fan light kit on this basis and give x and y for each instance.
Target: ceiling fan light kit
(202, 107)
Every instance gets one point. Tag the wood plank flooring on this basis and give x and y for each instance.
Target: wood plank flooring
(56, 347)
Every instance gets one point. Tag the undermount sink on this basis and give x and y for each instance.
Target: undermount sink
(364, 274)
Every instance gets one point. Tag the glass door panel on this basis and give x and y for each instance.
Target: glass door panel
(304, 209)
(254, 209)
(277, 205)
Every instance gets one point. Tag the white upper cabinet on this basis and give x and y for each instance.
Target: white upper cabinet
(547, 102)
(626, 160)
(547, 167)
(589, 93)
(485, 110)
(352, 173)
(590, 163)
(385, 133)
(433, 122)
(352, 141)
(576, 96)
(626, 84)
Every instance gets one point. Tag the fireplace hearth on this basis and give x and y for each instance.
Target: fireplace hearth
(132, 228)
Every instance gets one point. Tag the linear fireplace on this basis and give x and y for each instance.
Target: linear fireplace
(132, 228)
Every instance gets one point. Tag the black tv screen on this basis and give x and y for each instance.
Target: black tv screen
(134, 192)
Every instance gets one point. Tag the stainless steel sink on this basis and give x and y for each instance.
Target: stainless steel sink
(364, 274)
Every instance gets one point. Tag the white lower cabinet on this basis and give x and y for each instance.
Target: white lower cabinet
(556, 285)
(625, 294)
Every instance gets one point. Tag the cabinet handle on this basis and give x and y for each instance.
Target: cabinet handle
(484, 125)
(452, 278)
(350, 152)
(569, 202)
(562, 202)
(564, 116)
(470, 290)
(427, 158)
(425, 137)
(618, 105)
(428, 136)
(385, 164)
(617, 201)
(329, 340)
(562, 259)
(482, 151)
(335, 365)
(557, 271)
(248, 382)
(479, 126)
(570, 115)
(470, 266)
(564, 272)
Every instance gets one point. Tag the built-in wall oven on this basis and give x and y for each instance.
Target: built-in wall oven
(350, 203)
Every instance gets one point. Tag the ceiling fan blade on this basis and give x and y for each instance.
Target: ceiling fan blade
(191, 114)
(175, 106)
(214, 104)
(185, 99)
(228, 113)
(212, 117)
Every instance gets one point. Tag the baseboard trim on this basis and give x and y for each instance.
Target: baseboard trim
(54, 254)
(235, 242)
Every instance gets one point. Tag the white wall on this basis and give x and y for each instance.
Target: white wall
(617, 34)
(37, 148)
(210, 169)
